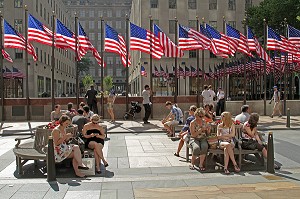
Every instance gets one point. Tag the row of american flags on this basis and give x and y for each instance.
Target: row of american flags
(156, 43)
(12, 73)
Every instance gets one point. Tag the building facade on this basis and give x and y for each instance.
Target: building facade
(163, 14)
(40, 71)
(113, 12)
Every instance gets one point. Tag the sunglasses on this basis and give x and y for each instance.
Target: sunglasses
(94, 122)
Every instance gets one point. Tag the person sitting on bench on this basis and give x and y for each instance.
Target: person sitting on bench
(174, 118)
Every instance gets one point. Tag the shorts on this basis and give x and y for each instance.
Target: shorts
(171, 123)
(199, 147)
(110, 105)
(276, 106)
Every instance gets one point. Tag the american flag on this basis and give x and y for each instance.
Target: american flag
(6, 56)
(255, 46)
(16, 73)
(115, 43)
(211, 73)
(193, 72)
(85, 45)
(162, 71)
(239, 38)
(180, 72)
(8, 73)
(169, 47)
(4, 73)
(279, 42)
(13, 39)
(145, 41)
(65, 38)
(190, 39)
(156, 73)
(187, 72)
(294, 36)
(223, 43)
(143, 71)
(38, 32)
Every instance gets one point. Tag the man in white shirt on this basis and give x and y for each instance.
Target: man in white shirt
(244, 116)
(206, 95)
(146, 103)
(276, 99)
(212, 95)
(221, 101)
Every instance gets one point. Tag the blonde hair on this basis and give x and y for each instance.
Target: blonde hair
(200, 112)
(95, 117)
(227, 119)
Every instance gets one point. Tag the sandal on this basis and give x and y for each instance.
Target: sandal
(202, 168)
(236, 168)
(226, 171)
(176, 154)
(192, 167)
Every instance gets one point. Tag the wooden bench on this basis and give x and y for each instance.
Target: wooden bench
(36, 149)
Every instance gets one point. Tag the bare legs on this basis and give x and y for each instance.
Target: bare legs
(76, 160)
(228, 154)
(202, 159)
(97, 147)
(111, 113)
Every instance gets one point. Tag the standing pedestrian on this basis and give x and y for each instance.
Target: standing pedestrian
(206, 95)
(276, 99)
(220, 101)
(110, 105)
(91, 99)
(146, 103)
(212, 95)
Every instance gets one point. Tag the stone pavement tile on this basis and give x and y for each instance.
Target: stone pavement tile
(172, 170)
(1, 186)
(136, 162)
(123, 162)
(116, 136)
(125, 194)
(158, 184)
(148, 147)
(289, 193)
(9, 155)
(148, 154)
(109, 194)
(8, 190)
(29, 195)
(208, 181)
(132, 171)
(82, 194)
(5, 163)
(135, 149)
(114, 142)
(176, 161)
(86, 186)
(145, 143)
(117, 185)
(176, 191)
(113, 162)
(35, 187)
(140, 137)
(130, 142)
(57, 191)
(170, 197)
(230, 196)
(118, 151)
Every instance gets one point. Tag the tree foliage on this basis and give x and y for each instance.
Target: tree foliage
(108, 83)
(84, 65)
(87, 81)
(274, 11)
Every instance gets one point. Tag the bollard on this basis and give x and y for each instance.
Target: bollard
(288, 118)
(270, 154)
(51, 172)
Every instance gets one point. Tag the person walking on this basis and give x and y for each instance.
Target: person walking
(110, 105)
(206, 95)
(91, 99)
(220, 101)
(146, 103)
(276, 99)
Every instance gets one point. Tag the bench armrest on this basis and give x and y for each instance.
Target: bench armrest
(19, 139)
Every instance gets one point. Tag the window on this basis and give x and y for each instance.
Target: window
(118, 60)
(118, 24)
(109, 23)
(213, 4)
(248, 4)
(41, 10)
(156, 21)
(211, 55)
(110, 60)
(119, 72)
(82, 23)
(91, 25)
(92, 13)
(45, 58)
(37, 6)
(48, 85)
(45, 14)
(99, 38)
(40, 84)
(18, 3)
(92, 36)
(18, 54)
(19, 25)
(172, 26)
(82, 13)
(213, 24)
(172, 4)
(231, 4)
(232, 24)
(100, 13)
(192, 54)
(118, 13)
(1, 3)
(99, 24)
(110, 72)
(154, 3)
(193, 24)
(192, 4)
(109, 13)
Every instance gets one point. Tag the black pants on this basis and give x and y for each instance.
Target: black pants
(93, 107)
(147, 112)
(220, 106)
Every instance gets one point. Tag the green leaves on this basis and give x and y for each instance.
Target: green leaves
(108, 83)
(87, 81)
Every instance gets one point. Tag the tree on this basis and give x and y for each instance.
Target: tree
(107, 83)
(87, 81)
(84, 65)
(274, 11)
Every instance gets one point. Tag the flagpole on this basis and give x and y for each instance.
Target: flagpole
(76, 61)
(127, 60)
(1, 68)
(224, 67)
(26, 63)
(185, 80)
(265, 67)
(53, 60)
(198, 63)
(102, 66)
(245, 57)
(285, 72)
(203, 70)
(151, 65)
(176, 60)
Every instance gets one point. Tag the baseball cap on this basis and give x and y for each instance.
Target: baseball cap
(274, 86)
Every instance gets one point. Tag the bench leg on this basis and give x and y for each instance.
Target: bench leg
(187, 154)
(240, 160)
(19, 165)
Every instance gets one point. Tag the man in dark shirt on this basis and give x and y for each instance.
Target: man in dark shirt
(79, 120)
(91, 99)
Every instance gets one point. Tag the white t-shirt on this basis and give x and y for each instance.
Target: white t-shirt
(221, 95)
(146, 96)
(206, 95)
(212, 94)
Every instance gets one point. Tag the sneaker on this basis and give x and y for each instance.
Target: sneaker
(280, 116)
(146, 122)
(271, 116)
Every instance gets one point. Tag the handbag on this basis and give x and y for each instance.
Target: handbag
(78, 141)
(249, 144)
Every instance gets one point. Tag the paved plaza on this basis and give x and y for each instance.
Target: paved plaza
(142, 166)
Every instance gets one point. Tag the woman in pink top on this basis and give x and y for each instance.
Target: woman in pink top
(226, 133)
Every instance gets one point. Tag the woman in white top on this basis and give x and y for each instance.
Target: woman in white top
(226, 133)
